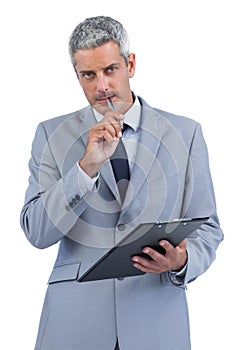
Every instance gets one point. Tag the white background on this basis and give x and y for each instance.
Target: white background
(184, 65)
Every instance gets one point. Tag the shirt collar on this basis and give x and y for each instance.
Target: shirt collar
(131, 117)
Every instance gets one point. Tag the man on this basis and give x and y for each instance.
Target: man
(73, 198)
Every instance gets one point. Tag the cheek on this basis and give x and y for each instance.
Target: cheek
(89, 89)
(88, 94)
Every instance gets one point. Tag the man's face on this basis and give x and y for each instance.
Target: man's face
(103, 73)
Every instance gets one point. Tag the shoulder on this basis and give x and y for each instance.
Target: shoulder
(184, 124)
(56, 121)
(171, 117)
(62, 122)
(176, 119)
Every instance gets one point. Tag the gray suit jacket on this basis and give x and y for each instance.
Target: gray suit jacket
(170, 179)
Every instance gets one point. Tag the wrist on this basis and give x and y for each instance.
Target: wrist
(90, 170)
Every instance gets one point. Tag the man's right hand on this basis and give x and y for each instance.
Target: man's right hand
(102, 141)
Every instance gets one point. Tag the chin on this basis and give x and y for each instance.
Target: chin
(102, 108)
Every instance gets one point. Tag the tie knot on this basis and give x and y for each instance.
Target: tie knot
(124, 127)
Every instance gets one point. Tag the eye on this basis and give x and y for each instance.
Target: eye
(111, 69)
(87, 75)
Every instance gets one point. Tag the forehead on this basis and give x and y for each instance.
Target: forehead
(98, 57)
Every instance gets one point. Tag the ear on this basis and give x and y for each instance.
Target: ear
(131, 65)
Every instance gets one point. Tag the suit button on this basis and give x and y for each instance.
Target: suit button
(72, 204)
(120, 278)
(75, 199)
(121, 227)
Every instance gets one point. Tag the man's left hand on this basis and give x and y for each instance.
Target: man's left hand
(174, 258)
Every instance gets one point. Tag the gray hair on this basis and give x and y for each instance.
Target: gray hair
(96, 31)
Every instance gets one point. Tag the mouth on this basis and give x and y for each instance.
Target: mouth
(104, 99)
(101, 101)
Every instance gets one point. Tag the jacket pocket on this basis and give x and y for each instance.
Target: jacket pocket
(64, 272)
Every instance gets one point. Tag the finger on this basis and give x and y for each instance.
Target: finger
(157, 260)
(105, 135)
(113, 128)
(153, 254)
(145, 269)
(116, 120)
(167, 246)
(145, 265)
(183, 244)
(102, 132)
(170, 249)
(115, 115)
(146, 262)
(107, 130)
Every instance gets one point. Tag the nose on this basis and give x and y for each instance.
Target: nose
(102, 83)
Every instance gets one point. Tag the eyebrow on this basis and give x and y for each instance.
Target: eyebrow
(104, 68)
(85, 71)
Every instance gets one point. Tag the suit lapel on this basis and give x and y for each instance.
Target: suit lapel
(108, 176)
(148, 146)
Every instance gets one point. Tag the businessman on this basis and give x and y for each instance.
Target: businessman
(77, 197)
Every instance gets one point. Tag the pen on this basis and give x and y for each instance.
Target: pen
(113, 108)
(111, 104)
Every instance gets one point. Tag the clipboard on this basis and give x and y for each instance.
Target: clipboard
(117, 263)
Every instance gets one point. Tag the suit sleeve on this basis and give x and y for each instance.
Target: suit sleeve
(198, 201)
(53, 202)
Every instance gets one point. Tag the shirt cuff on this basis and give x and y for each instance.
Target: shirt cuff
(87, 183)
(177, 277)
